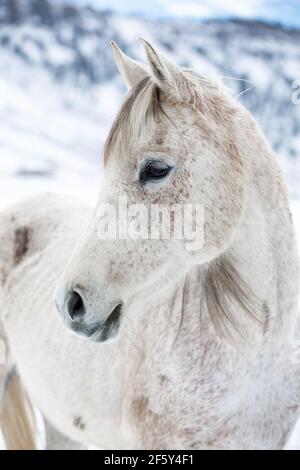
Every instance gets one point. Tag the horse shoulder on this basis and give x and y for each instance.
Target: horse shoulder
(28, 227)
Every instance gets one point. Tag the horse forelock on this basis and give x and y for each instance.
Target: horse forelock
(142, 102)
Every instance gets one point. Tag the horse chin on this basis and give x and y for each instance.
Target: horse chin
(101, 332)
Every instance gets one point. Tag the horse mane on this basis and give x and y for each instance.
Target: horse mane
(223, 292)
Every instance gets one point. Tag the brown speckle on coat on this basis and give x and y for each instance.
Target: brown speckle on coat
(21, 244)
(78, 423)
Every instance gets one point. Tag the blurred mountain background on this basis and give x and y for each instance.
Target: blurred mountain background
(59, 86)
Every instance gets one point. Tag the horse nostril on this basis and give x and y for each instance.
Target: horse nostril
(75, 306)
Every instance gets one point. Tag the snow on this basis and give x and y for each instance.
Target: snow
(51, 135)
(270, 10)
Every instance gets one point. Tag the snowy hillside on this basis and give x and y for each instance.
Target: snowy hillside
(59, 87)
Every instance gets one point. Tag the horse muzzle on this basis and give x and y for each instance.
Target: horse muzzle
(76, 316)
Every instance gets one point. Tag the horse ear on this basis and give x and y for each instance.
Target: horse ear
(130, 70)
(168, 76)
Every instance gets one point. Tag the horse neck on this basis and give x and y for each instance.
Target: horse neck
(189, 382)
(180, 350)
(266, 247)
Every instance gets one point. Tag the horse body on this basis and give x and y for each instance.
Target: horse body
(205, 352)
(60, 371)
(107, 395)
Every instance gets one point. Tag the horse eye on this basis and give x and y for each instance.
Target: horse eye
(154, 170)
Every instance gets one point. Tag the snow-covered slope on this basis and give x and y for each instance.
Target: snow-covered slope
(59, 87)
